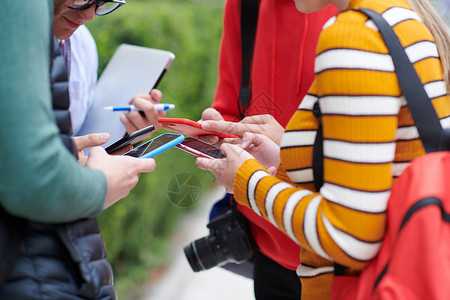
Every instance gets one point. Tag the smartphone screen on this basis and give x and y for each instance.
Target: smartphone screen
(200, 148)
(156, 145)
(130, 139)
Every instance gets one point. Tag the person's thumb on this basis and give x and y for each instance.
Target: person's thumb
(156, 95)
(249, 139)
(146, 165)
(230, 149)
(211, 114)
(91, 140)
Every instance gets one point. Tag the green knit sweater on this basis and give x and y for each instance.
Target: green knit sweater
(39, 179)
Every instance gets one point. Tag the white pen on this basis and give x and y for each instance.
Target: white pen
(160, 107)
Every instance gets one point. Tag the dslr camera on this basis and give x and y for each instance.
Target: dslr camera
(228, 242)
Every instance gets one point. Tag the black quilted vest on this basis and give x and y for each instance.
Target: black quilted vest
(54, 261)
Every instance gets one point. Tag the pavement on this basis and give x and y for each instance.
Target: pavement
(181, 283)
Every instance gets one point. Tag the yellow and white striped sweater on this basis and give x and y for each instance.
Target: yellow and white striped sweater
(369, 139)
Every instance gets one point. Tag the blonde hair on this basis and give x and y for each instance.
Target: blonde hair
(438, 29)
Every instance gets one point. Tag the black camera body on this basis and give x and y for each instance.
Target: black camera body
(229, 242)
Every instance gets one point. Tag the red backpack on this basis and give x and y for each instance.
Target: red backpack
(414, 259)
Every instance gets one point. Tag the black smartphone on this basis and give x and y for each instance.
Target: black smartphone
(200, 148)
(157, 145)
(128, 139)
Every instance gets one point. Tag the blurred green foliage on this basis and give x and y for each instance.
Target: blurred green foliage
(136, 229)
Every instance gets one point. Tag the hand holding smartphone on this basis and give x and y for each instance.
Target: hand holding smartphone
(131, 138)
(189, 127)
(156, 146)
(200, 148)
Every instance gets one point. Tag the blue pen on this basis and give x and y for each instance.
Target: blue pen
(160, 107)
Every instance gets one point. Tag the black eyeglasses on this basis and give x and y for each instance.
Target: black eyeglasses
(102, 7)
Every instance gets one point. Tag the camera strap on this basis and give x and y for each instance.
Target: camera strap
(234, 210)
(249, 20)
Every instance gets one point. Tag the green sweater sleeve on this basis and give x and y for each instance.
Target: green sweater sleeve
(39, 180)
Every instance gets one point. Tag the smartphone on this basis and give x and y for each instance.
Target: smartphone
(156, 146)
(200, 148)
(128, 139)
(189, 127)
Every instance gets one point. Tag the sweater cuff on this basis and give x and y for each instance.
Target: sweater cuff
(240, 185)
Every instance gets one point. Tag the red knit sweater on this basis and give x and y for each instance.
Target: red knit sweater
(282, 72)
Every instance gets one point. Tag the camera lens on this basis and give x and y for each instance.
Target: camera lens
(228, 242)
(192, 258)
(204, 253)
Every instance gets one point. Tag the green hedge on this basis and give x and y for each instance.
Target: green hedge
(137, 227)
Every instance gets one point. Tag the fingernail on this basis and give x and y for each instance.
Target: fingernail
(244, 144)
(104, 136)
(205, 125)
(214, 140)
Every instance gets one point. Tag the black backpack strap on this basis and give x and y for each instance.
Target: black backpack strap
(339, 270)
(419, 104)
(249, 19)
(318, 150)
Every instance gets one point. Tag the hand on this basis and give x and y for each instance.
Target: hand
(90, 140)
(266, 152)
(262, 124)
(122, 172)
(225, 168)
(133, 120)
(210, 114)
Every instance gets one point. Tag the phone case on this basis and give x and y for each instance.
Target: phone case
(162, 148)
(192, 151)
(189, 127)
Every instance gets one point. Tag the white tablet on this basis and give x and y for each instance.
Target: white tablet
(132, 70)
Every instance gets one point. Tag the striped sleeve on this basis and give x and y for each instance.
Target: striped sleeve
(369, 138)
